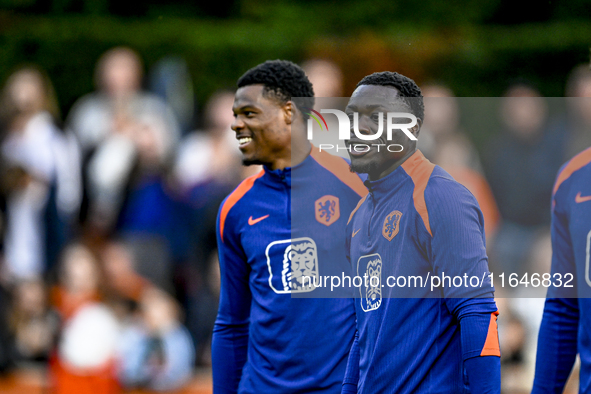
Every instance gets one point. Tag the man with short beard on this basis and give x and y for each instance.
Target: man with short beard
(415, 223)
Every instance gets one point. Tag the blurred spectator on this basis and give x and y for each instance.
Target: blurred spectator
(170, 80)
(86, 354)
(111, 124)
(522, 163)
(442, 123)
(122, 279)
(34, 326)
(578, 123)
(151, 220)
(40, 176)
(326, 77)
(156, 350)
(211, 154)
(207, 169)
(327, 81)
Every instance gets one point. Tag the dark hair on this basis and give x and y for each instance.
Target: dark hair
(282, 80)
(409, 91)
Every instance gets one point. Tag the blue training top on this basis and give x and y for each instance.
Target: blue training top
(266, 340)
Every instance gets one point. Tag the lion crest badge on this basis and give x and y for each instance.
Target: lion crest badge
(327, 209)
(391, 225)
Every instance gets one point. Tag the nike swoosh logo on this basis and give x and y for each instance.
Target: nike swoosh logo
(355, 233)
(252, 221)
(580, 199)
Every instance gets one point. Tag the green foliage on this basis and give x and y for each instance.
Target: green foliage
(457, 43)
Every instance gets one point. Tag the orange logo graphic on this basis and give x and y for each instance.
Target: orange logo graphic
(391, 225)
(580, 199)
(355, 233)
(327, 209)
(252, 221)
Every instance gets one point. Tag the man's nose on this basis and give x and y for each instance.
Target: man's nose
(363, 125)
(237, 124)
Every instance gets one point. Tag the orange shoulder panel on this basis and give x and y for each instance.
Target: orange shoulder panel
(234, 197)
(339, 168)
(420, 170)
(356, 208)
(576, 163)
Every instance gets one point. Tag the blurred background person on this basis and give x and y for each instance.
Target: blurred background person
(207, 169)
(156, 351)
(442, 123)
(327, 80)
(40, 175)
(34, 325)
(85, 356)
(578, 121)
(171, 80)
(124, 284)
(521, 161)
(151, 220)
(326, 77)
(109, 124)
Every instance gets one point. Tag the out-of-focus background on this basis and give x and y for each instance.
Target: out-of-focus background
(116, 151)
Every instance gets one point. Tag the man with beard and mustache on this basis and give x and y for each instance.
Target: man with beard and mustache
(265, 339)
(416, 222)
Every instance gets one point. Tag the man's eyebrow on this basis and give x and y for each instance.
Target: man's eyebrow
(244, 107)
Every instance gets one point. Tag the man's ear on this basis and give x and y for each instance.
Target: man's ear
(417, 128)
(289, 111)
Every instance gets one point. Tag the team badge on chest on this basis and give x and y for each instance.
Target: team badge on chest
(370, 269)
(391, 225)
(293, 265)
(327, 209)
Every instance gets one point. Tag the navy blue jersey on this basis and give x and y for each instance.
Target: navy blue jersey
(418, 222)
(565, 329)
(274, 230)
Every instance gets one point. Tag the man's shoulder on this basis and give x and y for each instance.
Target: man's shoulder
(230, 207)
(442, 185)
(338, 168)
(573, 171)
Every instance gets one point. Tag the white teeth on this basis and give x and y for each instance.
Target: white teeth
(244, 140)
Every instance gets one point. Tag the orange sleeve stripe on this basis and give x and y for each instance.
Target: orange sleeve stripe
(576, 163)
(491, 345)
(356, 208)
(234, 197)
(420, 170)
(339, 168)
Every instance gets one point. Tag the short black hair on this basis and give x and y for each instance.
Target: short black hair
(282, 80)
(409, 90)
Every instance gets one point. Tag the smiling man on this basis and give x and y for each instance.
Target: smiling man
(265, 340)
(415, 223)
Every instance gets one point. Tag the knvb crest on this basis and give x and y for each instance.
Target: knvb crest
(293, 265)
(327, 209)
(391, 225)
(370, 269)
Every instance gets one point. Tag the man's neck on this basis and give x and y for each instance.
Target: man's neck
(298, 151)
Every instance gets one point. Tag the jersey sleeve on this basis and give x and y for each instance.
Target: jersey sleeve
(557, 340)
(230, 334)
(458, 249)
(456, 242)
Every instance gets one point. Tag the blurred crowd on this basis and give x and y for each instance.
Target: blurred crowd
(108, 266)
